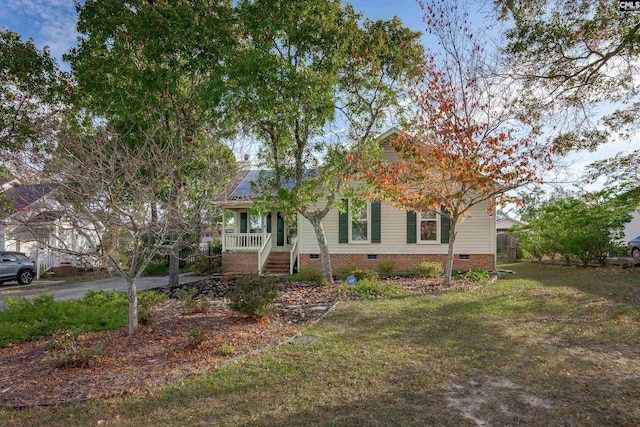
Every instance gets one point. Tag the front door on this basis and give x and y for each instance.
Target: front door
(280, 231)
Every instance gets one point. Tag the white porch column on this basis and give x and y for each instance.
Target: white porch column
(224, 226)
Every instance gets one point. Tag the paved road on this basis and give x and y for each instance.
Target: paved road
(61, 291)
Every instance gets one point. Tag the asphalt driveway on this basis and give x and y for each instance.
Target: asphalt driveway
(73, 291)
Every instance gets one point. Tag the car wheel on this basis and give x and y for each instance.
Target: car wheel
(25, 277)
(635, 252)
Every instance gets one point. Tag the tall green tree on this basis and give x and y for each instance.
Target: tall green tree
(157, 69)
(315, 82)
(577, 57)
(588, 227)
(33, 96)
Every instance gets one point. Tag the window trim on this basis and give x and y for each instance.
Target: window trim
(419, 235)
(350, 225)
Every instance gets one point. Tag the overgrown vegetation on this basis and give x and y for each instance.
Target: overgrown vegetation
(203, 261)
(521, 351)
(586, 228)
(473, 275)
(190, 304)
(368, 289)
(226, 350)
(387, 268)
(157, 269)
(195, 337)
(146, 301)
(65, 351)
(26, 319)
(429, 270)
(253, 295)
(308, 275)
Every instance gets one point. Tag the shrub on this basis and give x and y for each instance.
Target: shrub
(365, 274)
(477, 275)
(190, 304)
(253, 295)
(103, 298)
(201, 263)
(195, 337)
(156, 269)
(368, 289)
(308, 275)
(387, 268)
(429, 270)
(226, 350)
(146, 301)
(66, 352)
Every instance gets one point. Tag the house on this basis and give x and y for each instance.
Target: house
(504, 224)
(33, 223)
(377, 233)
(632, 228)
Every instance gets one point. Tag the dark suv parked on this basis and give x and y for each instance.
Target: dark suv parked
(16, 266)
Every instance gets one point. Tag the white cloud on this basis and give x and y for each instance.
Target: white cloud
(50, 23)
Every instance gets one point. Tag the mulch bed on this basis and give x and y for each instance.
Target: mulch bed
(159, 354)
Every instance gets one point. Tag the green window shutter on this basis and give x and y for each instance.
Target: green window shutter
(243, 222)
(411, 227)
(445, 226)
(343, 224)
(375, 222)
(269, 222)
(280, 230)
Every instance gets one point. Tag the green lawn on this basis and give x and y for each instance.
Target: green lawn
(553, 346)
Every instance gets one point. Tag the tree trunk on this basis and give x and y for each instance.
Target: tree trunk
(448, 267)
(324, 248)
(133, 306)
(154, 221)
(174, 268)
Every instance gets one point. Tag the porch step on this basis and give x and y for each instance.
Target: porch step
(277, 263)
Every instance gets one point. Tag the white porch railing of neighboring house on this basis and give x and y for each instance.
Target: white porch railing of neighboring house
(45, 260)
(244, 241)
(264, 252)
(293, 255)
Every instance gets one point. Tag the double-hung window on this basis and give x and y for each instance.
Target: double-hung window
(428, 227)
(359, 225)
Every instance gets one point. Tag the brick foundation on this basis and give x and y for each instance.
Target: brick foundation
(402, 262)
(239, 262)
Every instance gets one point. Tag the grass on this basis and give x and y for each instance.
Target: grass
(27, 319)
(552, 346)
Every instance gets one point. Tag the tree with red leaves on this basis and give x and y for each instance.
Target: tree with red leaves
(466, 144)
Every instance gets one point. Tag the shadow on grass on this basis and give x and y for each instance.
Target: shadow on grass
(617, 285)
(517, 352)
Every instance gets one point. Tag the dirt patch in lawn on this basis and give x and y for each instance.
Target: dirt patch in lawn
(160, 353)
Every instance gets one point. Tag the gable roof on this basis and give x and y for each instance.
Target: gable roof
(508, 222)
(23, 195)
(240, 189)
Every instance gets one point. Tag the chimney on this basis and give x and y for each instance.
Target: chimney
(246, 164)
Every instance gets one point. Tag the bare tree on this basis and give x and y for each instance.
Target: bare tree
(106, 191)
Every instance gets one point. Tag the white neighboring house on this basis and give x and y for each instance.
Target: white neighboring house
(34, 223)
(503, 225)
(632, 229)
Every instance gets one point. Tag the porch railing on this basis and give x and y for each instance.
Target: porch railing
(293, 255)
(264, 252)
(244, 241)
(45, 260)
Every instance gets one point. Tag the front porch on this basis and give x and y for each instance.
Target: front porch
(255, 249)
